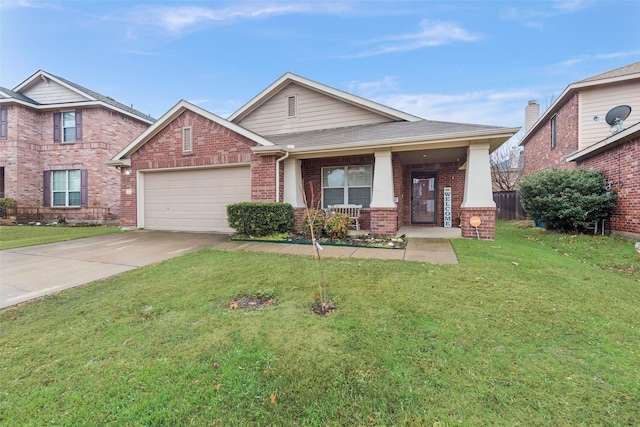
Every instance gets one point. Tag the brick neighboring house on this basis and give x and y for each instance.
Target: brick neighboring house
(182, 172)
(567, 136)
(55, 139)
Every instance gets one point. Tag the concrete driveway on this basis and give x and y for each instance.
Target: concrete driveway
(34, 271)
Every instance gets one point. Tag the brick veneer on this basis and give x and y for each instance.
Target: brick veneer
(29, 150)
(538, 153)
(486, 230)
(621, 166)
(213, 145)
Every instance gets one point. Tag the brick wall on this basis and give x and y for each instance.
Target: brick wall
(486, 230)
(447, 175)
(213, 145)
(29, 150)
(621, 166)
(538, 153)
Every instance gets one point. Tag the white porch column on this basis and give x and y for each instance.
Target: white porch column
(477, 187)
(383, 181)
(293, 182)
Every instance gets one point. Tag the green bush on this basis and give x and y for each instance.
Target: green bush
(7, 203)
(567, 199)
(261, 218)
(338, 225)
(317, 220)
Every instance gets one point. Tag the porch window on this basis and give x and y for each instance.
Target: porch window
(347, 185)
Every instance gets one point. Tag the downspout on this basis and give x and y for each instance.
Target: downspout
(278, 175)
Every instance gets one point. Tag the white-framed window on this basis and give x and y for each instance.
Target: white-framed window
(68, 126)
(65, 187)
(347, 185)
(554, 134)
(292, 106)
(187, 145)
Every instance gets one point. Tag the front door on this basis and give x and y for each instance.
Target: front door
(423, 197)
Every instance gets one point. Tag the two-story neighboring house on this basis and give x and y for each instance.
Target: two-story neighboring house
(573, 132)
(55, 139)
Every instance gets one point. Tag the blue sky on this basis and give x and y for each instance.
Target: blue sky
(463, 61)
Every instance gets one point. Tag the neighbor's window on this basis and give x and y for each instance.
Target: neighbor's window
(292, 106)
(67, 126)
(187, 146)
(3, 122)
(66, 187)
(553, 132)
(347, 185)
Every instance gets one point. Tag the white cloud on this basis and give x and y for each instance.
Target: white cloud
(533, 17)
(182, 19)
(431, 33)
(16, 4)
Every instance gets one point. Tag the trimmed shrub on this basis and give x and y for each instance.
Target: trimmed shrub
(317, 220)
(567, 199)
(261, 218)
(338, 225)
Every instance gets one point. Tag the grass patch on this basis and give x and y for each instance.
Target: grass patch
(533, 329)
(19, 236)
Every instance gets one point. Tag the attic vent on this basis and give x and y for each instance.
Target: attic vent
(292, 105)
(186, 140)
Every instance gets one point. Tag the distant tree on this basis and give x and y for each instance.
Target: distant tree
(506, 169)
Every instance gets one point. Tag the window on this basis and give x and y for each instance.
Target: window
(186, 140)
(553, 132)
(3, 122)
(347, 185)
(292, 106)
(67, 126)
(65, 188)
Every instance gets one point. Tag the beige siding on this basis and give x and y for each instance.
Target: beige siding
(597, 102)
(52, 93)
(315, 111)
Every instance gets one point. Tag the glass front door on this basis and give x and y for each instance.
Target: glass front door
(423, 198)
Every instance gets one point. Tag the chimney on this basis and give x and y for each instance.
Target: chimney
(531, 114)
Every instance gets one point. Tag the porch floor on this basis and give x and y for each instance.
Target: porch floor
(425, 232)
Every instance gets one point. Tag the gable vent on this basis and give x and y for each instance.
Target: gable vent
(292, 106)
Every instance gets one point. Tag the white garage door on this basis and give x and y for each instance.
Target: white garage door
(193, 200)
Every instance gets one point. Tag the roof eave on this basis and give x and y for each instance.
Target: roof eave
(174, 112)
(288, 78)
(604, 145)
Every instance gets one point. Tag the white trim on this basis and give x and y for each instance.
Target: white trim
(288, 78)
(173, 113)
(616, 139)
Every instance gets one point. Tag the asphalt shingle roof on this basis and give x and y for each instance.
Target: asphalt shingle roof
(618, 72)
(375, 132)
(18, 95)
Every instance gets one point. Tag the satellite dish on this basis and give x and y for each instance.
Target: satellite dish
(617, 115)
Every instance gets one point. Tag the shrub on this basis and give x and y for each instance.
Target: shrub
(317, 220)
(567, 199)
(338, 225)
(7, 203)
(260, 218)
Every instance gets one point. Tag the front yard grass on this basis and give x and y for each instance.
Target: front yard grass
(16, 236)
(531, 329)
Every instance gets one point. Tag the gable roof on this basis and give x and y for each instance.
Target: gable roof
(6, 94)
(91, 97)
(289, 78)
(628, 72)
(122, 158)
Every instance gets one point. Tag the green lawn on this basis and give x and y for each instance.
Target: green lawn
(532, 329)
(19, 236)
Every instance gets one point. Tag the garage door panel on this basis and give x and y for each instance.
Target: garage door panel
(193, 200)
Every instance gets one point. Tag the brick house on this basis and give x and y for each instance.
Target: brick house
(55, 138)
(573, 133)
(182, 172)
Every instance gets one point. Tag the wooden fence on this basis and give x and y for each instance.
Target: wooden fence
(508, 206)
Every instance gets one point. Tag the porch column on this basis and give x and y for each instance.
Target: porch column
(382, 196)
(478, 194)
(383, 211)
(293, 182)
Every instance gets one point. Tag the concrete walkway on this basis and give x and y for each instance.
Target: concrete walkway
(34, 271)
